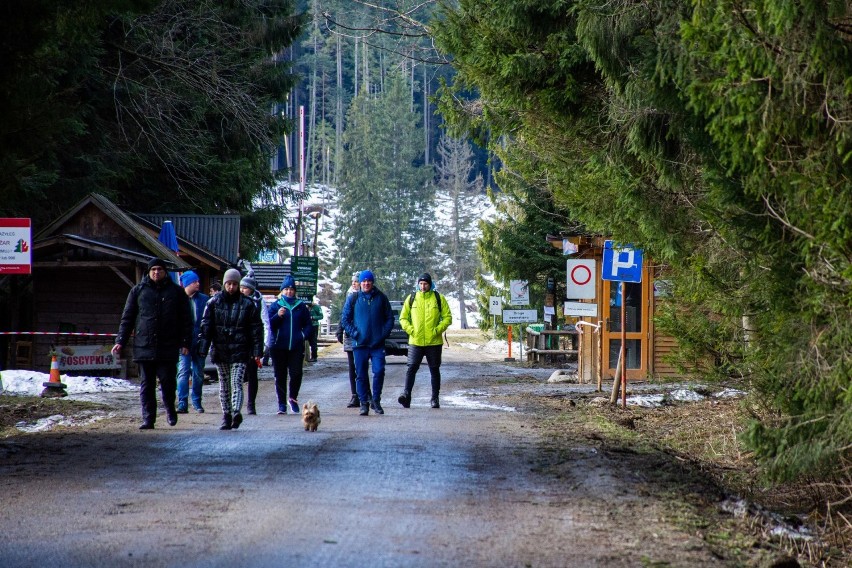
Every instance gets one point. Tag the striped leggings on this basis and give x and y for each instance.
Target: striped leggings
(231, 386)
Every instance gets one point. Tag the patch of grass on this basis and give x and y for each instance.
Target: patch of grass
(14, 409)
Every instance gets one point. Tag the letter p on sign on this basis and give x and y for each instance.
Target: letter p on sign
(621, 264)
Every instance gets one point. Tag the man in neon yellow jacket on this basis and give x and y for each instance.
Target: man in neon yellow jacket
(425, 317)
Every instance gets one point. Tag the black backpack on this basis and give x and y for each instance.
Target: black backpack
(408, 300)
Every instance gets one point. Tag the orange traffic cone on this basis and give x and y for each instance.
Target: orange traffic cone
(54, 387)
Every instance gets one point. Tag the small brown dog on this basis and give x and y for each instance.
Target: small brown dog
(311, 416)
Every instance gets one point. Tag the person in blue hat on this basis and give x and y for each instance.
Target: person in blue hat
(192, 364)
(290, 326)
(368, 319)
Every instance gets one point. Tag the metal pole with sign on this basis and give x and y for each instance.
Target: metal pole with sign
(622, 264)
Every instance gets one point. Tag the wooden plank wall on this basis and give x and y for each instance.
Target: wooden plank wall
(89, 299)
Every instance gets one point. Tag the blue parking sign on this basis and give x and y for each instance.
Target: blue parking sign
(623, 264)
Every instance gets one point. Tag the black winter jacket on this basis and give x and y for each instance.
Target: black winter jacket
(158, 314)
(232, 324)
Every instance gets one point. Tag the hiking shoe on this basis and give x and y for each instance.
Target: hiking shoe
(199, 409)
(365, 409)
(182, 410)
(354, 402)
(146, 426)
(405, 399)
(377, 407)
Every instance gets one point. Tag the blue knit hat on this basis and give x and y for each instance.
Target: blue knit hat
(366, 275)
(288, 282)
(188, 278)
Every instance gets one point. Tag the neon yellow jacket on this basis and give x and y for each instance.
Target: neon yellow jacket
(423, 321)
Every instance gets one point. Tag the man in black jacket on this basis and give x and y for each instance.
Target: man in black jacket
(158, 312)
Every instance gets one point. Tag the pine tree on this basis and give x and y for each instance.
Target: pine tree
(385, 200)
(462, 197)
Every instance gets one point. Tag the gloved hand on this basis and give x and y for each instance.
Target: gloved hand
(340, 335)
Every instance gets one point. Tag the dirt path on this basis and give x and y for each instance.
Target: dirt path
(475, 483)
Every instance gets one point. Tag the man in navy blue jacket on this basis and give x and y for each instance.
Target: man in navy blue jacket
(368, 319)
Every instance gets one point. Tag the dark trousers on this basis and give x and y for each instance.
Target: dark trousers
(251, 379)
(312, 339)
(167, 372)
(433, 359)
(287, 362)
(351, 357)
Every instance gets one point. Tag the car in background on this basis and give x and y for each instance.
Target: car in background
(397, 341)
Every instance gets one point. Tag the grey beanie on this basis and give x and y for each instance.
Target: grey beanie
(249, 283)
(232, 275)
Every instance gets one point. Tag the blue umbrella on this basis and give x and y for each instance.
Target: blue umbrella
(168, 237)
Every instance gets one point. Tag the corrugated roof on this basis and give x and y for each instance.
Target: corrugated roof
(220, 234)
(270, 276)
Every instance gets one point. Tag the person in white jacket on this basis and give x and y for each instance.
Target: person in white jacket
(248, 287)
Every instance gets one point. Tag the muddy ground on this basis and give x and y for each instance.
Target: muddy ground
(511, 471)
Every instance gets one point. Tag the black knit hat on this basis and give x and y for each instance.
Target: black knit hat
(156, 262)
(425, 277)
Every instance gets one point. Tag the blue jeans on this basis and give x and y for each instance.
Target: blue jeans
(195, 365)
(363, 357)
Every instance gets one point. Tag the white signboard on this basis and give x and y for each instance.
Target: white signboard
(580, 284)
(495, 305)
(78, 357)
(520, 316)
(519, 293)
(15, 239)
(580, 309)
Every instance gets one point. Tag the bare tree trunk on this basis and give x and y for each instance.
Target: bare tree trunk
(426, 120)
(356, 85)
(312, 113)
(338, 118)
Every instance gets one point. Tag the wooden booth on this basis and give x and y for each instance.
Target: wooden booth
(599, 342)
(84, 264)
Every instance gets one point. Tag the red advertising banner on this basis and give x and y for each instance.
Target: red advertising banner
(15, 240)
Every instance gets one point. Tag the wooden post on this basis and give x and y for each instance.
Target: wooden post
(623, 356)
(616, 381)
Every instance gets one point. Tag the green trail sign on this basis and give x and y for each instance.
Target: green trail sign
(305, 271)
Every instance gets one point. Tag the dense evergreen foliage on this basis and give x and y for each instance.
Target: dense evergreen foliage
(162, 106)
(716, 135)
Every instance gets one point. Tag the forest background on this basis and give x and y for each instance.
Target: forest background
(716, 135)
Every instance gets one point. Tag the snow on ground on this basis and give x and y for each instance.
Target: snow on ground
(29, 383)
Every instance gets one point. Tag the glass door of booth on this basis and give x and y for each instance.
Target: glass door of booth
(635, 305)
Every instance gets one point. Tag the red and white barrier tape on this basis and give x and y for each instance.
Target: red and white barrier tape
(58, 333)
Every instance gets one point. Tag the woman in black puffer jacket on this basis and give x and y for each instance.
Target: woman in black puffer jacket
(231, 324)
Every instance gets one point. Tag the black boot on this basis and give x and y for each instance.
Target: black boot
(377, 407)
(226, 422)
(251, 410)
(354, 402)
(434, 401)
(405, 399)
(365, 408)
(238, 419)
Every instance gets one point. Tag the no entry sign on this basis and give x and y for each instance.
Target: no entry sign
(580, 284)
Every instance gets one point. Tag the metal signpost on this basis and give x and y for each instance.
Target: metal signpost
(623, 265)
